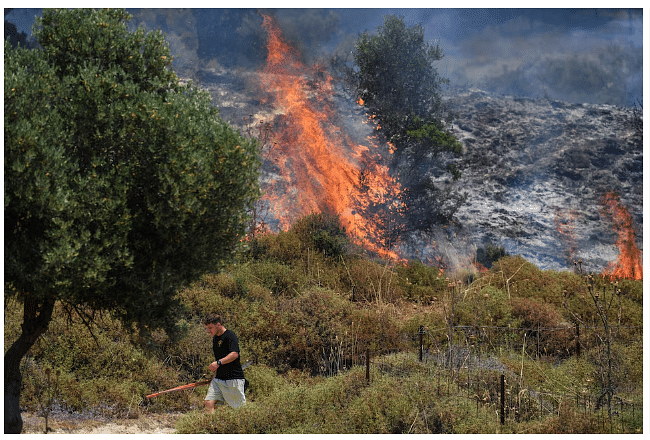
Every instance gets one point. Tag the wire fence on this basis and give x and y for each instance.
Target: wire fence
(485, 365)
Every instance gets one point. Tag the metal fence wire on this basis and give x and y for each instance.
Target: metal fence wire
(467, 362)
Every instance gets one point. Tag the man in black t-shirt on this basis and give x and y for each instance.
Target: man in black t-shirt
(228, 382)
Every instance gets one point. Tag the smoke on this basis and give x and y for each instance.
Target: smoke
(575, 55)
(529, 57)
(181, 31)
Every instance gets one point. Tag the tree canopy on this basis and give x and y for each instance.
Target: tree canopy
(398, 83)
(121, 183)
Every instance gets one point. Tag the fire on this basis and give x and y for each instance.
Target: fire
(317, 167)
(629, 263)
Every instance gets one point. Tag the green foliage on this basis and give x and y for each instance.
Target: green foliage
(521, 278)
(101, 370)
(420, 282)
(396, 78)
(489, 253)
(431, 133)
(116, 175)
(283, 246)
(309, 347)
(264, 382)
(323, 233)
(488, 306)
(533, 314)
(278, 277)
(372, 281)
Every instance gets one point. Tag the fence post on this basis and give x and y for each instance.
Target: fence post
(503, 399)
(421, 332)
(577, 339)
(368, 366)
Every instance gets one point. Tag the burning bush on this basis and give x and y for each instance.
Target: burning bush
(629, 264)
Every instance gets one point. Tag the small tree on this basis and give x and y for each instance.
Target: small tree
(121, 184)
(603, 306)
(395, 78)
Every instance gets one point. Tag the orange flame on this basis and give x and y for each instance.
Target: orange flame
(629, 264)
(316, 164)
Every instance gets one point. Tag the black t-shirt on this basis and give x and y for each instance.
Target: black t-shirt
(222, 346)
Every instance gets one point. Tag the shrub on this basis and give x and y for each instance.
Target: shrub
(548, 332)
(323, 233)
(101, 370)
(520, 278)
(281, 279)
(372, 282)
(283, 246)
(421, 283)
(264, 381)
(489, 253)
(487, 306)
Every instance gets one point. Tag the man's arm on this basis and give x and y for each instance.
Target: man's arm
(230, 357)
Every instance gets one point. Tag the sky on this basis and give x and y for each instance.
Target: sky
(574, 55)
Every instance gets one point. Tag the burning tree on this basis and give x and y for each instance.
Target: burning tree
(315, 166)
(396, 81)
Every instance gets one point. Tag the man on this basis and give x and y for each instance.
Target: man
(228, 382)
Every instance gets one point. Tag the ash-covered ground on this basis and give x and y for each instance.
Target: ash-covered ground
(535, 170)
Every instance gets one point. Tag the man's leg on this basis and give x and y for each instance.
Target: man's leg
(233, 392)
(213, 397)
(209, 406)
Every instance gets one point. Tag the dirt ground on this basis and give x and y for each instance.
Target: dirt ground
(143, 424)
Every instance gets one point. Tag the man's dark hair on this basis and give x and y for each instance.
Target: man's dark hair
(212, 318)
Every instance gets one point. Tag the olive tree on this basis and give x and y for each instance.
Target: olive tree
(121, 183)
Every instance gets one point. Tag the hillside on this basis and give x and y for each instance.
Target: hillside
(535, 170)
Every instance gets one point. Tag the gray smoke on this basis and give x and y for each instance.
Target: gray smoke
(578, 55)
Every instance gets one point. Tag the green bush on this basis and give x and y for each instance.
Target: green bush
(372, 281)
(489, 253)
(323, 233)
(488, 306)
(281, 279)
(420, 282)
(264, 381)
(100, 368)
(554, 336)
(283, 246)
(309, 348)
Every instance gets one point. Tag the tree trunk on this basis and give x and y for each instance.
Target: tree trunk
(36, 318)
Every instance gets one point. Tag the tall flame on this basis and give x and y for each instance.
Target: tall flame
(629, 264)
(317, 166)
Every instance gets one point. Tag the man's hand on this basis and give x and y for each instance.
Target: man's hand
(213, 366)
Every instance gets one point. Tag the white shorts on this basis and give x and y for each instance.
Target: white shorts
(231, 391)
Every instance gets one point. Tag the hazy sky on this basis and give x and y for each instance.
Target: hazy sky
(576, 55)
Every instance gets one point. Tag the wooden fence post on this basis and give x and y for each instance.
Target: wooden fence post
(421, 332)
(368, 366)
(503, 399)
(577, 339)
